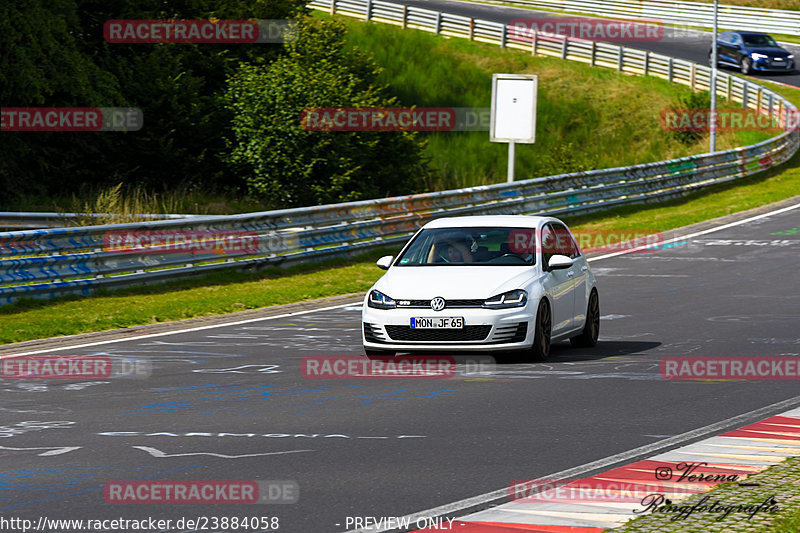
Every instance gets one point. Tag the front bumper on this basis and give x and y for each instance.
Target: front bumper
(484, 330)
(770, 65)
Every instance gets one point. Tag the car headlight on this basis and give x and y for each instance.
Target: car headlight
(790, 56)
(757, 56)
(378, 300)
(515, 298)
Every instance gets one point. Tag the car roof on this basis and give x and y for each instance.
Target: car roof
(499, 221)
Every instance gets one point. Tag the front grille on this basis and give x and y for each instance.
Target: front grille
(449, 303)
(467, 333)
(373, 333)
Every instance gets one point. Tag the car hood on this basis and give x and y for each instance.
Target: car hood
(771, 51)
(453, 282)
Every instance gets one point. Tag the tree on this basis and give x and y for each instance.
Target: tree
(289, 166)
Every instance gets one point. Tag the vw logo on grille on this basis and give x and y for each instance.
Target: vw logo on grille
(438, 303)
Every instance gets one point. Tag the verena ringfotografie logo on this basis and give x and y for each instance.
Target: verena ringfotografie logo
(589, 29)
(73, 367)
(199, 31)
(181, 242)
(728, 120)
(395, 119)
(593, 489)
(730, 368)
(357, 367)
(201, 492)
(71, 119)
(694, 473)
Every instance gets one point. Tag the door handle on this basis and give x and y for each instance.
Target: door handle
(570, 273)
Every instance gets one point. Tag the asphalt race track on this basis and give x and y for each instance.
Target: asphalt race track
(685, 44)
(231, 403)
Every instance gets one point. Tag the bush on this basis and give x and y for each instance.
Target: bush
(288, 166)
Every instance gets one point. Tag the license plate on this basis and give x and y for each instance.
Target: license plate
(439, 322)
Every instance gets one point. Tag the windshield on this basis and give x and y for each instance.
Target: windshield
(471, 246)
(758, 39)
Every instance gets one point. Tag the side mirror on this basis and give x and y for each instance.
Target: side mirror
(559, 262)
(385, 262)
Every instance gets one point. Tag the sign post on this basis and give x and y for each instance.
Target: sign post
(513, 112)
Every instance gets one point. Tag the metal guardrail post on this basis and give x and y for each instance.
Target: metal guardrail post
(471, 28)
(621, 59)
(404, 25)
(503, 36)
(693, 76)
(745, 95)
(368, 11)
(594, 54)
(564, 45)
(671, 70)
(535, 41)
(438, 22)
(729, 88)
(333, 7)
(646, 63)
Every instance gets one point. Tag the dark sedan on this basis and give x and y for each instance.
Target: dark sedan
(752, 52)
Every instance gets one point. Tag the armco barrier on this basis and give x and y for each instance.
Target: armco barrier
(14, 220)
(52, 262)
(681, 13)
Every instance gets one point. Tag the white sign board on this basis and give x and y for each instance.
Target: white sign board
(513, 108)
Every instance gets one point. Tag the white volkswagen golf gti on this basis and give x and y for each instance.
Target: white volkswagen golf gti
(480, 283)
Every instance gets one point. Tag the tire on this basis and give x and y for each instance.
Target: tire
(540, 350)
(745, 65)
(591, 329)
(378, 353)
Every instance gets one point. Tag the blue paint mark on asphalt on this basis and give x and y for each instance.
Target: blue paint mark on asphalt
(216, 399)
(68, 470)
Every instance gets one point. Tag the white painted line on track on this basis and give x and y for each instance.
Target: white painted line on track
(574, 472)
(696, 234)
(165, 333)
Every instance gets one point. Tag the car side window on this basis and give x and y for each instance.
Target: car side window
(548, 240)
(565, 244)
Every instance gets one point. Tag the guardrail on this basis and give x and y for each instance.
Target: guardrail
(682, 13)
(17, 220)
(52, 262)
